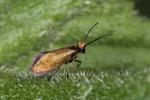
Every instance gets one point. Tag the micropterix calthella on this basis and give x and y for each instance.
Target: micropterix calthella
(51, 61)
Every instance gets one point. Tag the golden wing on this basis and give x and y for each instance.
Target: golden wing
(48, 61)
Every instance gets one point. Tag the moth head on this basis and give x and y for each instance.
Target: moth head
(81, 47)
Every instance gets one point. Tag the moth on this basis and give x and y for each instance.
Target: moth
(51, 61)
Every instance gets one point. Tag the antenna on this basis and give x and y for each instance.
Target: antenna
(98, 38)
(89, 31)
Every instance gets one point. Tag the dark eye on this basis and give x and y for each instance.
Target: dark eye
(82, 50)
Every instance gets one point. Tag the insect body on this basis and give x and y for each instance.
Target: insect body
(49, 61)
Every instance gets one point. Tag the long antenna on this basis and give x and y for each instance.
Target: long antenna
(98, 38)
(89, 31)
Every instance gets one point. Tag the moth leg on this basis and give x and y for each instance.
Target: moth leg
(53, 73)
(49, 77)
(69, 69)
(67, 74)
(79, 62)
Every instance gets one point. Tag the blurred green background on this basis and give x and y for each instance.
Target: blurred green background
(120, 62)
